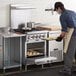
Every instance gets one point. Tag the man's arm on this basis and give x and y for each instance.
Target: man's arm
(64, 28)
(63, 34)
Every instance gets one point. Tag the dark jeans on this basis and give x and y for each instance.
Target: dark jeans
(69, 56)
(75, 55)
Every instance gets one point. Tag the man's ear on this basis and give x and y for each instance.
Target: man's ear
(56, 8)
(59, 8)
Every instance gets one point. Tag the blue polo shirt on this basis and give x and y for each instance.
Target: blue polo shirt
(68, 19)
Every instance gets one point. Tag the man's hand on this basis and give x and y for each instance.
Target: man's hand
(59, 38)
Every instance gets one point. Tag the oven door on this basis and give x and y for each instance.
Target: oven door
(45, 60)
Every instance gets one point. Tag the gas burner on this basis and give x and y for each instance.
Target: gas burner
(24, 31)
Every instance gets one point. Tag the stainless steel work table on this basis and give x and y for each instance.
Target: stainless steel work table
(11, 50)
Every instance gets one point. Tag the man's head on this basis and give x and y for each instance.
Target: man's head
(59, 7)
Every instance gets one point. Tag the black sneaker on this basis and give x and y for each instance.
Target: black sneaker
(65, 73)
(74, 70)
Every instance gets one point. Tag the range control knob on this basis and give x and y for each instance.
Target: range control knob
(43, 36)
(32, 37)
(28, 37)
(36, 36)
(39, 36)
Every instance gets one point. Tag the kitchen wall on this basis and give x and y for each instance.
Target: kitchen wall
(4, 12)
(40, 15)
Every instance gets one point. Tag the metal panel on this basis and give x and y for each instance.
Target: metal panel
(55, 48)
(58, 55)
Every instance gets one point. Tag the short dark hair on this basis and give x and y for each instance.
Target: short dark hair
(59, 4)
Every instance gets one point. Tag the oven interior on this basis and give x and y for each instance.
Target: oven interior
(35, 49)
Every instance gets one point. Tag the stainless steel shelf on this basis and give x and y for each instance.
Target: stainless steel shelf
(11, 64)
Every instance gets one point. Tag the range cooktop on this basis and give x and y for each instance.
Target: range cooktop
(26, 30)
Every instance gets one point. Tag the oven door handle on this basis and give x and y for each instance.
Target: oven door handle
(55, 49)
(37, 39)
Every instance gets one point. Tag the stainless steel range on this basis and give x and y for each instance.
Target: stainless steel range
(35, 47)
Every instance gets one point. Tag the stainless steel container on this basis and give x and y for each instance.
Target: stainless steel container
(31, 25)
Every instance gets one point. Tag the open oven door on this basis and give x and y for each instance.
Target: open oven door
(45, 60)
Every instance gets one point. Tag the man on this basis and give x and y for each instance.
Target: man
(67, 19)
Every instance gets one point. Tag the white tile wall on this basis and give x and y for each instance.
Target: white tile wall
(40, 15)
